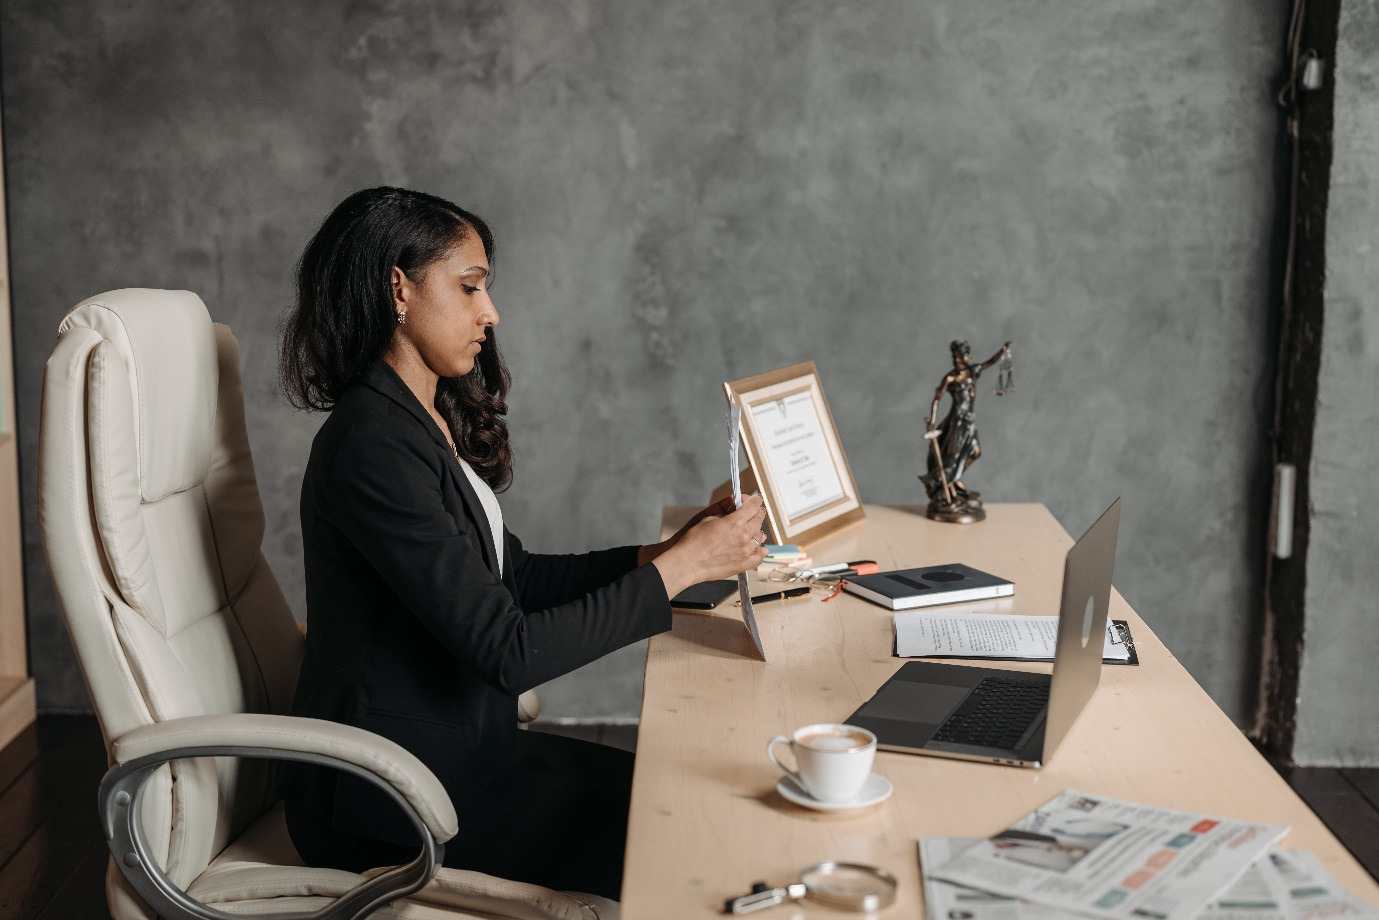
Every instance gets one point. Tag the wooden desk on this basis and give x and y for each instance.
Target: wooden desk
(706, 821)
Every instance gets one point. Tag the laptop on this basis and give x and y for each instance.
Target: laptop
(1003, 716)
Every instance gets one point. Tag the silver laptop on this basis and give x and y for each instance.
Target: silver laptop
(1002, 716)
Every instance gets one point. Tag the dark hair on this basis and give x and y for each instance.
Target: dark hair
(344, 316)
(960, 347)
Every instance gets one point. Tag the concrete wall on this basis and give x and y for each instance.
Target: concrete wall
(1338, 705)
(691, 192)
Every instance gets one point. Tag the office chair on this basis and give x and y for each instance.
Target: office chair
(151, 522)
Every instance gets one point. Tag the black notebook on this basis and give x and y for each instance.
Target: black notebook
(925, 587)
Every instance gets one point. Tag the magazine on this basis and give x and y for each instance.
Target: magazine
(1108, 858)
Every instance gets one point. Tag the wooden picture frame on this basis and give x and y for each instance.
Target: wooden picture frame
(794, 454)
(17, 707)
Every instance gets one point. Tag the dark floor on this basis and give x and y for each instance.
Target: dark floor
(52, 856)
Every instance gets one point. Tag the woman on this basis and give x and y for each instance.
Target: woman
(426, 617)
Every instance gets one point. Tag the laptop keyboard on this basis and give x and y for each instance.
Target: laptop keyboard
(996, 713)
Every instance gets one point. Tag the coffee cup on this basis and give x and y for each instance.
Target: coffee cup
(833, 760)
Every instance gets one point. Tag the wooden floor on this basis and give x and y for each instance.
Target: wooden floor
(52, 855)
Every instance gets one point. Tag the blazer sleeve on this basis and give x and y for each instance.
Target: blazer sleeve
(548, 580)
(385, 493)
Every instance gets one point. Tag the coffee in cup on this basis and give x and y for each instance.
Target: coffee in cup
(833, 760)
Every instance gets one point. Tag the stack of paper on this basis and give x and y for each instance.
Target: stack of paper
(1098, 857)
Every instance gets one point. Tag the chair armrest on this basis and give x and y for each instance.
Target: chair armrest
(386, 759)
(142, 752)
(528, 707)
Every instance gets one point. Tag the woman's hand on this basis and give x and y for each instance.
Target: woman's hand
(651, 551)
(714, 546)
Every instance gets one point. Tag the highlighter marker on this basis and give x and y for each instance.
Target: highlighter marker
(860, 567)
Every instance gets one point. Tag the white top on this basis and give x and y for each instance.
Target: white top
(492, 510)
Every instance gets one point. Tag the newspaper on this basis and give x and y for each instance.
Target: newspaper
(1288, 885)
(946, 901)
(1108, 858)
(1281, 885)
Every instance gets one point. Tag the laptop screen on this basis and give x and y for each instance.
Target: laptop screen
(1081, 625)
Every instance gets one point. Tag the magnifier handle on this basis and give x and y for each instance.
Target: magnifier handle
(759, 900)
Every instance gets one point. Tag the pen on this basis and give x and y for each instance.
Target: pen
(778, 595)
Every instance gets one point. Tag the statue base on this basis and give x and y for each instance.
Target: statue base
(960, 512)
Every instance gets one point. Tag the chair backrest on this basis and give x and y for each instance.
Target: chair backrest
(152, 525)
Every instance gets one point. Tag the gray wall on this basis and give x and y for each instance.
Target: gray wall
(1338, 705)
(695, 191)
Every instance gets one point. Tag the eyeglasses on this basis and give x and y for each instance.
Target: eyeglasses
(828, 584)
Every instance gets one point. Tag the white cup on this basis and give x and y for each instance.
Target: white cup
(833, 760)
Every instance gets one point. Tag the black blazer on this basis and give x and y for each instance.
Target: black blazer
(411, 632)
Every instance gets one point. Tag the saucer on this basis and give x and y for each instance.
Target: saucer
(876, 789)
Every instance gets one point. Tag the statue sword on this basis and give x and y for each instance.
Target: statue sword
(932, 437)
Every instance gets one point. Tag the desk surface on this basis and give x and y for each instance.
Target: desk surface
(706, 821)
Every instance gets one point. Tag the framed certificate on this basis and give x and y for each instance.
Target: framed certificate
(794, 453)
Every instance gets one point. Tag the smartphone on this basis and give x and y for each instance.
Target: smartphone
(704, 596)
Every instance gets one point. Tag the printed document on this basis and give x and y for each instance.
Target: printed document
(1108, 858)
(744, 591)
(988, 635)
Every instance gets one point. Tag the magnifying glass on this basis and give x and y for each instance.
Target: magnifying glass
(840, 885)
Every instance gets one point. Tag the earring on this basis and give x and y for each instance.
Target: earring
(401, 317)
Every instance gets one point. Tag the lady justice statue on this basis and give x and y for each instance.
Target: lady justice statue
(953, 444)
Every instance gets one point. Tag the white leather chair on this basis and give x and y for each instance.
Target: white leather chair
(152, 526)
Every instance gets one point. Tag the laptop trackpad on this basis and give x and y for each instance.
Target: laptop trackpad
(911, 701)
